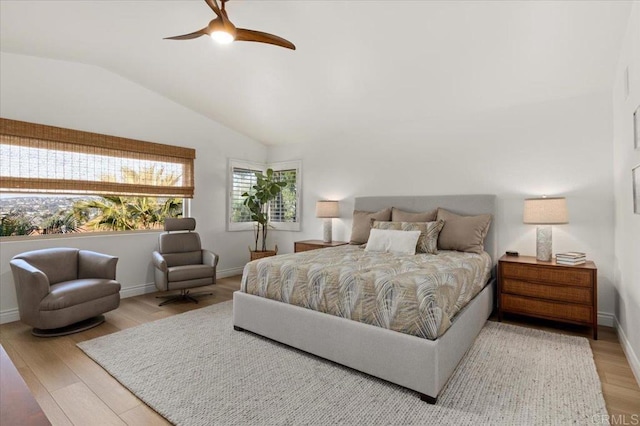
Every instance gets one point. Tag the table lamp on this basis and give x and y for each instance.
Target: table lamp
(545, 212)
(327, 210)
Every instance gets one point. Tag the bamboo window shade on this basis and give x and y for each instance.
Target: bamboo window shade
(47, 159)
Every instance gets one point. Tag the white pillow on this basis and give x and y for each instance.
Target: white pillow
(392, 241)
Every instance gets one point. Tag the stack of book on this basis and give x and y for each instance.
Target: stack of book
(571, 258)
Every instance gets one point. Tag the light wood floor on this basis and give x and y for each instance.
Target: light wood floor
(72, 389)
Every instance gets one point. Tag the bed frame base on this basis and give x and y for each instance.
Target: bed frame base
(415, 363)
(428, 399)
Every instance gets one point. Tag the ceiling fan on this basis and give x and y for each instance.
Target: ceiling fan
(223, 31)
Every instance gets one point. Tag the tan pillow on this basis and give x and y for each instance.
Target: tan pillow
(428, 241)
(362, 224)
(398, 215)
(463, 233)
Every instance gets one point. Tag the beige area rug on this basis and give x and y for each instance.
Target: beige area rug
(194, 369)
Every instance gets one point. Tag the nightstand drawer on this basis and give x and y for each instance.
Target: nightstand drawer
(546, 309)
(560, 275)
(298, 247)
(553, 292)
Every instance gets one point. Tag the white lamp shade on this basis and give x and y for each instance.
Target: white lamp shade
(545, 211)
(327, 209)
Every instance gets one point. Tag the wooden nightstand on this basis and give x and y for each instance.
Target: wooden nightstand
(307, 245)
(548, 290)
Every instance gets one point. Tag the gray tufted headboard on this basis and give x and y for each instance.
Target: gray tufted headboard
(459, 204)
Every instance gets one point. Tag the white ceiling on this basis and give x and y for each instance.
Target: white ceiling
(356, 63)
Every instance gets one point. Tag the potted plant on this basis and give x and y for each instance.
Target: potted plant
(257, 201)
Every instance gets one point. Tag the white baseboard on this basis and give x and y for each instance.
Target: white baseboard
(632, 357)
(606, 319)
(231, 272)
(9, 315)
(137, 290)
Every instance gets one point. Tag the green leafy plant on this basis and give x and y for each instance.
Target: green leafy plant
(118, 213)
(14, 223)
(61, 223)
(122, 213)
(266, 189)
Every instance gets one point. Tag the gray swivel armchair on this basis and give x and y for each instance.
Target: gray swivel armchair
(64, 290)
(181, 263)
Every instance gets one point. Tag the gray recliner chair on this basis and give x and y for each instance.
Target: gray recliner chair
(64, 290)
(181, 263)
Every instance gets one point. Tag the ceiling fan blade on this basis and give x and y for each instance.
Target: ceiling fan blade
(260, 37)
(189, 36)
(213, 4)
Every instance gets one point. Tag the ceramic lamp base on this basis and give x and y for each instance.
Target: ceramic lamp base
(543, 243)
(328, 227)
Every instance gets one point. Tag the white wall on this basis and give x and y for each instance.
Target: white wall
(627, 224)
(560, 148)
(89, 98)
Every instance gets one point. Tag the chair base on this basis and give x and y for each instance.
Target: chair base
(69, 329)
(184, 296)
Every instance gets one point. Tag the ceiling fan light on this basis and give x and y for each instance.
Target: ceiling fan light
(222, 37)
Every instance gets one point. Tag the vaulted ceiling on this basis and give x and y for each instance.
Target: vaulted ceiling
(356, 63)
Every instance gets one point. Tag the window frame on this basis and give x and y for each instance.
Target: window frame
(276, 166)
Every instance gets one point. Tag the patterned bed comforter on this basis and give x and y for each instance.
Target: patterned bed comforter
(416, 295)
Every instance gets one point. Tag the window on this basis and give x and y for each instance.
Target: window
(284, 211)
(56, 180)
(242, 180)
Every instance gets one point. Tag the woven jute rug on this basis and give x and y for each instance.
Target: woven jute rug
(194, 369)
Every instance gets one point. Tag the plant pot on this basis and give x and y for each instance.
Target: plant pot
(260, 254)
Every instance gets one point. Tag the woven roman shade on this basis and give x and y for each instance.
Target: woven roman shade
(47, 159)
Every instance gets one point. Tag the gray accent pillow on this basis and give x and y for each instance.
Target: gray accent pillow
(398, 215)
(429, 231)
(362, 222)
(463, 233)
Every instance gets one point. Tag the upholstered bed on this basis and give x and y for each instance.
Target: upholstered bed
(398, 347)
